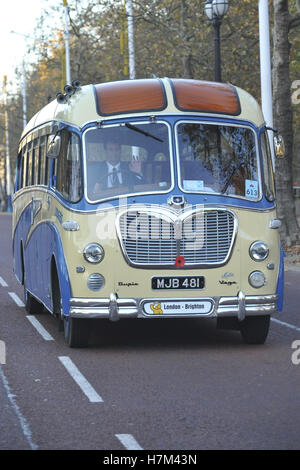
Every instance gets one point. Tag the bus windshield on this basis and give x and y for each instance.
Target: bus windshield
(126, 159)
(218, 158)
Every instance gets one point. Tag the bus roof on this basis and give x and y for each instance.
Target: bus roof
(147, 97)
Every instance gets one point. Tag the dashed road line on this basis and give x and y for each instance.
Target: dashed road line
(16, 299)
(129, 442)
(39, 327)
(81, 381)
(23, 422)
(288, 325)
(3, 283)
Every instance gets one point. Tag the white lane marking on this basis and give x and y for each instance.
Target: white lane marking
(288, 325)
(16, 299)
(129, 441)
(23, 422)
(85, 386)
(3, 283)
(39, 327)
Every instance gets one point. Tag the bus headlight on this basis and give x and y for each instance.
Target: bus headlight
(259, 251)
(257, 279)
(93, 253)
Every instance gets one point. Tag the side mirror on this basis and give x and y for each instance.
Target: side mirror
(279, 146)
(53, 147)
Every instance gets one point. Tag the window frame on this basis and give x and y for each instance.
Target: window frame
(267, 166)
(134, 122)
(56, 166)
(224, 124)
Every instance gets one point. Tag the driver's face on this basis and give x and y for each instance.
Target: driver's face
(113, 153)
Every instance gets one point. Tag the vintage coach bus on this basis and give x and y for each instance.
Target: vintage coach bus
(151, 199)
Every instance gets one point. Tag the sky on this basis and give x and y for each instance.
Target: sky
(20, 16)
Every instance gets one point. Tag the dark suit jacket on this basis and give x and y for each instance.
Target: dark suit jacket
(100, 175)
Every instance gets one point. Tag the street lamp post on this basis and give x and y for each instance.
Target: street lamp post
(67, 37)
(265, 69)
(215, 10)
(131, 52)
(7, 154)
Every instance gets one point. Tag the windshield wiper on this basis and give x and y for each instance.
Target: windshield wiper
(228, 181)
(136, 129)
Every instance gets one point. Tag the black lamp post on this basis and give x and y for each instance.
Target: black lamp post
(215, 10)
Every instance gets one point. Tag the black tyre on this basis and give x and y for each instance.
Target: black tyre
(254, 330)
(228, 323)
(76, 332)
(56, 301)
(32, 305)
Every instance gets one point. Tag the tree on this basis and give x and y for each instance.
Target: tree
(283, 118)
(172, 38)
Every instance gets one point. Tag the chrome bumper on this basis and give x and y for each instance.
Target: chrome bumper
(114, 308)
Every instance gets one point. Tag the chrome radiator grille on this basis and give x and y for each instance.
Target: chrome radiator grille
(156, 239)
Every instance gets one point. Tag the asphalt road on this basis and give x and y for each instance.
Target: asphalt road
(176, 385)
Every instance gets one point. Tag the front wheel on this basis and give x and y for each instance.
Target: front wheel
(76, 331)
(254, 330)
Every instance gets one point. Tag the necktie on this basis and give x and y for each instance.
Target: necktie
(114, 178)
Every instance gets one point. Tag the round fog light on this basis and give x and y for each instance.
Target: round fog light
(257, 279)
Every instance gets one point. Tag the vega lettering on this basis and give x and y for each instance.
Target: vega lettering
(228, 283)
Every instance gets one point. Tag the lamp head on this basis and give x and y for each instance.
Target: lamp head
(220, 8)
(208, 9)
(215, 9)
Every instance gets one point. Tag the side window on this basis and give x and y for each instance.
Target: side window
(24, 166)
(19, 178)
(269, 185)
(36, 161)
(43, 179)
(29, 164)
(68, 169)
(21, 169)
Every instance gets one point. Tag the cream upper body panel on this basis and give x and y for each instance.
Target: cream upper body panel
(81, 108)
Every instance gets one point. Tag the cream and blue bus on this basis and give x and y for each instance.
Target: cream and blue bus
(148, 199)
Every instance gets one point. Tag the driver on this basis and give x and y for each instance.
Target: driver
(114, 173)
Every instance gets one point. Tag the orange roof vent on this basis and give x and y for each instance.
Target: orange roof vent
(203, 96)
(130, 96)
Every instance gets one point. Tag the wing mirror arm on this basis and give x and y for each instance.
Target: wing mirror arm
(53, 146)
(279, 147)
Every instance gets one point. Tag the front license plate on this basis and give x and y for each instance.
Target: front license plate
(178, 282)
